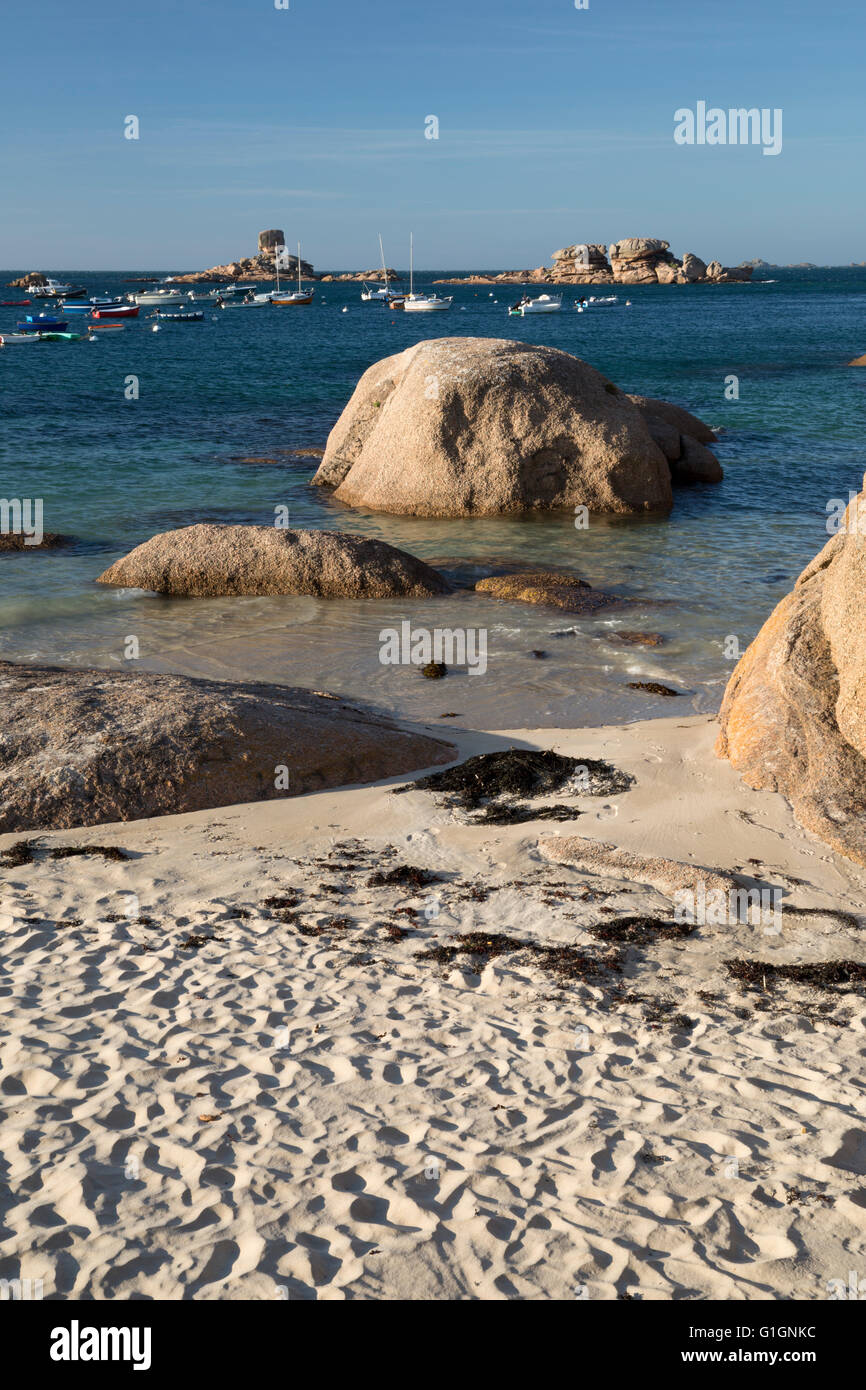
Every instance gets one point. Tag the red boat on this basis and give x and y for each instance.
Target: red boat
(16, 303)
(126, 311)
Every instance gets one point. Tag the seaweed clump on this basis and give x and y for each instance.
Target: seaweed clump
(565, 962)
(16, 855)
(824, 974)
(71, 851)
(494, 781)
(403, 876)
(639, 931)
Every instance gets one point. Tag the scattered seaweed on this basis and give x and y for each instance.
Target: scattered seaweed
(518, 773)
(565, 962)
(195, 942)
(280, 900)
(639, 931)
(516, 814)
(403, 876)
(820, 974)
(652, 688)
(434, 670)
(19, 853)
(71, 851)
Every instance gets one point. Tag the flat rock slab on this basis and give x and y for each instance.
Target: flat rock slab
(81, 747)
(554, 590)
(209, 561)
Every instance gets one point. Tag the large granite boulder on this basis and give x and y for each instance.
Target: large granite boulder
(80, 747)
(693, 268)
(676, 416)
(209, 561)
(793, 718)
(681, 437)
(637, 248)
(480, 426)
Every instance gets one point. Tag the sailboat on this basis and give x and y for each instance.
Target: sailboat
(298, 296)
(421, 303)
(378, 295)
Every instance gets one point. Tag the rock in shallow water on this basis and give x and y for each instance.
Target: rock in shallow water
(480, 426)
(81, 747)
(210, 561)
(550, 588)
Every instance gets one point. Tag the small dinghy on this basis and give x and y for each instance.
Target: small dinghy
(16, 339)
(42, 323)
(191, 316)
(106, 327)
(15, 303)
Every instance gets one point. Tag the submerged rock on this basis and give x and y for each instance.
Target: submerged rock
(15, 541)
(209, 561)
(793, 718)
(481, 426)
(555, 590)
(81, 747)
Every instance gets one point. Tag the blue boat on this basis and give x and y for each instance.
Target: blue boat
(41, 323)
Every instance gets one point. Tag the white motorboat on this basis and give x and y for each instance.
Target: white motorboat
(544, 304)
(54, 289)
(16, 339)
(160, 299)
(600, 301)
(422, 303)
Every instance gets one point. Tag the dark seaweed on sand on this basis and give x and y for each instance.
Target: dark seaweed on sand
(519, 772)
(503, 814)
(822, 974)
(639, 931)
(403, 875)
(16, 855)
(566, 962)
(70, 851)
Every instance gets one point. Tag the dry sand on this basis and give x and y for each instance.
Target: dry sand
(272, 1114)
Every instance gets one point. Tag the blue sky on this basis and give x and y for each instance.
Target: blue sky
(556, 126)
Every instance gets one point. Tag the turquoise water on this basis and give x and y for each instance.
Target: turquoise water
(261, 383)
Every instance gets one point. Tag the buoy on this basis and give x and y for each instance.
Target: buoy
(345, 311)
(155, 328)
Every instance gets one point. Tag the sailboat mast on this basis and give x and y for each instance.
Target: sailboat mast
(299, 267)
(384, 267)
(411, 264)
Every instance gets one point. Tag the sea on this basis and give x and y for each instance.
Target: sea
(140, 432)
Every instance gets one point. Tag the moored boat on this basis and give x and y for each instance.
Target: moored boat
(421, 303)
(181, 316)
(544, 304)
(15, 339)
(117, 311)
(55, 289)
(159, 299)
(41, 323)
(298, 296)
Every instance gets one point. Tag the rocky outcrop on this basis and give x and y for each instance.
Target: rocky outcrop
(211, 561)
(793, 718)
(480, 426)
(681, 437)
(84, 747)
(550, 588)
(259, 267)
(372, 275)
(632, 261)
(33, 279)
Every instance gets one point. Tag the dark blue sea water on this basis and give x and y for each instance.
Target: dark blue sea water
(259, 384)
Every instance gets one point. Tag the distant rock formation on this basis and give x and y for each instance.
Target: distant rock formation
(633, 261)
(373, 275)
(486, 426)
(793, 718)
(259, 267)
(209, 561)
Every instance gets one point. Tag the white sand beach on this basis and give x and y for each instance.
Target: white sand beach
(205, 1097)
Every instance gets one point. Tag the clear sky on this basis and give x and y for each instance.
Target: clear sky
(555, 126)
